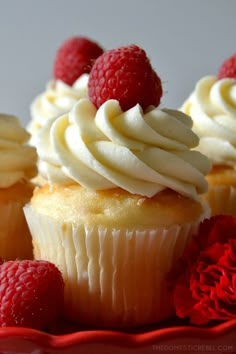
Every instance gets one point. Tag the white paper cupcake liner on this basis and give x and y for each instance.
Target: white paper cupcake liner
(222, 200)
(112, 277)
(15, 238)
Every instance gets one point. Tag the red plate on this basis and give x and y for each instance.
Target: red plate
(172, 338)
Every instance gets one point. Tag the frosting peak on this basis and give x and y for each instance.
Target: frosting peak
(58, 98)
(212, 106)
(17, 159)
(141, 152)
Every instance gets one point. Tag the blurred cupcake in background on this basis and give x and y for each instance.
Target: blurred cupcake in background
(212, 106)
(73, 62)
(58, 98)
(17, 168)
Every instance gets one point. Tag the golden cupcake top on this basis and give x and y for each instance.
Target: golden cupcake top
(17, 159)
(118, 137)
(115, 208)
(212, 106)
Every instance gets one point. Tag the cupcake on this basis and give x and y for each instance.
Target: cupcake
(122, 197)
(69, 83)
(57, 99)
(17, 167)
(212, 106)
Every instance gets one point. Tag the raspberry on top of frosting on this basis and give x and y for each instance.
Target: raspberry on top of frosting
(124, 74)
(17, 159)
(75, 57)
(228, 68)
(212, 106)
(72, 65)
(142, 151)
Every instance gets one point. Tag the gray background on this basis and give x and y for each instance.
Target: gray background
(185, 39)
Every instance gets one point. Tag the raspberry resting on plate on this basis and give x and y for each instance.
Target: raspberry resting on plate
(31, 293)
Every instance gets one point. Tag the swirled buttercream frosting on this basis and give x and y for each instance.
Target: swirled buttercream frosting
(58, 98)
(140, 152)
(17, 159)
(212, 107)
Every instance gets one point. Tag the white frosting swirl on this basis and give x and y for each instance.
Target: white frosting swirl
(17, 159)
(142, 153)
(212, 106)
(57, 99)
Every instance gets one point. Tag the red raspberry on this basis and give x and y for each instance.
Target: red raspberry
(74, 58)
(124, 74)
(228, 68)
(31, 293)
